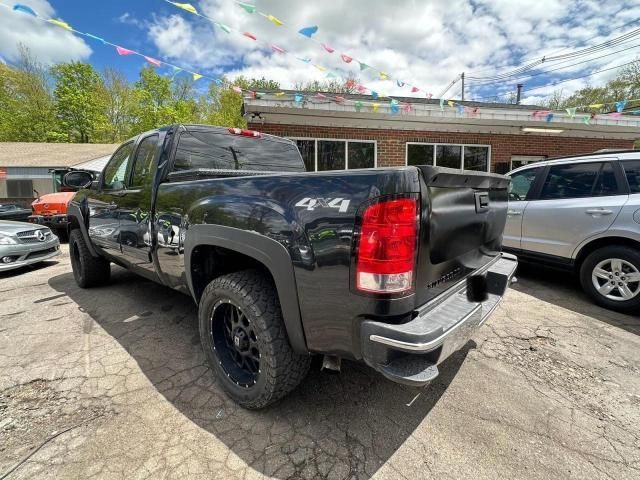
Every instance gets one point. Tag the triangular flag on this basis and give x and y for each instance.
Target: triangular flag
(615, 114)
(358, 106)
(414, 89)
(247, 7)
(442, 104)
(250, 35)
(186, 6)
(376, 106)
(406, 107)
(18, 7)
(363, 66)
(451, 103)
(395, 108)
(274, 20)
(60, 24)
(340, 99)
(224, 27)
(549, 118)
(597, 105)
(586, 119)
(361, 88)
(94, 37)
(321, 95)
(571, 111)
(399, 83)
(374, 94)
(384, 76)
(308, 31)
(153, 61)
(394, 101)
(429, 95)
(196, 77)
(124, 51)
(236, 89)
(298, 98)
(320, 67)
(276, 48)
(280, 94)
(620, 105)
(328, 48)
(305, 59)
(346, 58)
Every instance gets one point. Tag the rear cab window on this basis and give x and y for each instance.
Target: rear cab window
(222, 150)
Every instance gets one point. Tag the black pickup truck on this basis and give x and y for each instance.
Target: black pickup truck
(392, 266)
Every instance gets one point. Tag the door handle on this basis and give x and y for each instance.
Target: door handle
(514, 212)
(598, 211)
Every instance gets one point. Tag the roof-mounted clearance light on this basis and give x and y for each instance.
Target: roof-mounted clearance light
(245, 133)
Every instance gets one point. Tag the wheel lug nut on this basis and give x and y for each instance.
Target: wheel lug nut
(620, 284)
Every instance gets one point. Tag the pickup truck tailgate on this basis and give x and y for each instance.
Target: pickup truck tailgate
(463, 216)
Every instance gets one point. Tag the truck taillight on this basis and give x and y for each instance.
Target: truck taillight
(386, 254)
(245, 133)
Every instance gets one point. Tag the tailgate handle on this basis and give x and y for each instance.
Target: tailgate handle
(599, 211)
(482, 202)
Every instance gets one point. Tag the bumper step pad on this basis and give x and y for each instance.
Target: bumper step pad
(410, 370)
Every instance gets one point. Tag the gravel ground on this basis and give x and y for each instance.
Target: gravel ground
(112, 383)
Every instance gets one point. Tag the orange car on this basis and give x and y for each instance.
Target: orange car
(51, 210)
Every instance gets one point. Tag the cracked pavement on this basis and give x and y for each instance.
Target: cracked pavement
(112, 383)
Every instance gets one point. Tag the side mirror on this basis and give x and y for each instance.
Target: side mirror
(77, 179)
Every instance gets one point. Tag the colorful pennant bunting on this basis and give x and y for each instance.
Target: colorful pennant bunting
(95, 38)
(223, 27)
(571, 111)
(374, 94)
(60, 24)
(414, 89)
(18, 7)
(298, 98)
(358, 106)
(327, 48)
(247, 7)
(549, 118)
(250, 35)
(274, 20)
(124, 51)
(346, 58)
(320, 67)
(442, 104)
(196, 77)
(363, 66)
(340, 99)
(375, 107)
(278, 49)
(384, 76)
(620, 105)
(153, 61)
(186, 6)
(308, 31)
(399, 83)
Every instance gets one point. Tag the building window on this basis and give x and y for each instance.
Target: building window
(520, 160)
(322, 155)
(20, 188)
(463, 157)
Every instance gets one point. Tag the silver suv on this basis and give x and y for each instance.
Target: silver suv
(582, 213)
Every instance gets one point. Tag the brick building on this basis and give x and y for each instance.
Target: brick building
(487, 136)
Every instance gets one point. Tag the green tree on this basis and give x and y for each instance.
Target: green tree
(79, 103)
(224, 107)
(153, 97)
(256, 83)
(119, 102)
(26, 102)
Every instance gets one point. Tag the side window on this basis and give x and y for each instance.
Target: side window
(143, 162)
(606, 183)
(521, 183)
(576, 180)
(115, 172)
(632, 169)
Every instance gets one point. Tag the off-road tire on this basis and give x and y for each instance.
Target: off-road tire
(88, 271)
(281, 369)
(628, 254)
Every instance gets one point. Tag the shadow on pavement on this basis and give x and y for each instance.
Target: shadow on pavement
(28, 268)
(563, 289)
(336, 426)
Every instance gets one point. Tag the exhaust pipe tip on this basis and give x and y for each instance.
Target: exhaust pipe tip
(331, 363)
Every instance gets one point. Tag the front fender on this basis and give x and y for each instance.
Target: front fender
(78, 212)
(270, 253)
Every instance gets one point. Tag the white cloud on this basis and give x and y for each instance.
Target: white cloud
(423, 43)
(50, 44)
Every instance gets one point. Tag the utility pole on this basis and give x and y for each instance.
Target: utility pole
(519, 93)
(462, 78)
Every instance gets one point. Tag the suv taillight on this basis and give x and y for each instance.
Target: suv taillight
(386, 254)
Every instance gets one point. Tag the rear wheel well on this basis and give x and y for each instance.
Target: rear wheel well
(601, 243)
(209, 262)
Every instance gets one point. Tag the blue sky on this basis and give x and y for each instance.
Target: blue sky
(423, 43)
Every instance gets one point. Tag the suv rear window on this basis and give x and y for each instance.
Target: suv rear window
(579, 180)
(632, 169)
(225, 151)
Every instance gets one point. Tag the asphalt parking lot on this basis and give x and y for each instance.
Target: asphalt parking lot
(112, 383)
